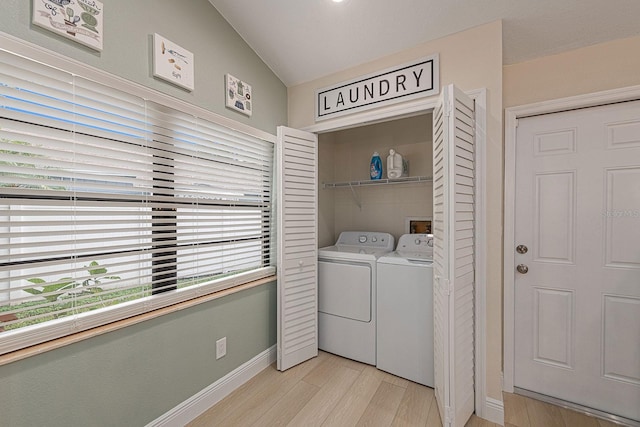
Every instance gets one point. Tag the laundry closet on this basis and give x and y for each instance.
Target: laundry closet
(355, 222)
(372, 300)
(344, 156)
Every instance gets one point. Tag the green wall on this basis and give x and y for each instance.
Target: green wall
(192, 24)
(134, 375)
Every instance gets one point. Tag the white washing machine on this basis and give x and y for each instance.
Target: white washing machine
(347, 294)
(405, 310)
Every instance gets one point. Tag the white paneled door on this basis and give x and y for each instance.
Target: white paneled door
(577, 256)
(453, 255)
(297, 258)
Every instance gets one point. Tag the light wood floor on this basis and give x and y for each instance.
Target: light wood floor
(332, 391)
(520, 411)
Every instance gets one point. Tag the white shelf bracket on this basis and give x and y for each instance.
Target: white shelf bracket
(355, 197)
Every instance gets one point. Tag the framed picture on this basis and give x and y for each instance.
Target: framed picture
(172, 62)
(78, 20)
(238, 95)
(418, 225)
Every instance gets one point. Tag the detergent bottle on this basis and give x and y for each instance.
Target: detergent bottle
(394, 164)
(376, 166)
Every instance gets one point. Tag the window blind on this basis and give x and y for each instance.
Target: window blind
(112, 205)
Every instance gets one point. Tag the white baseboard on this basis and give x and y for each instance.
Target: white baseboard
(493, 411)
(191, 408)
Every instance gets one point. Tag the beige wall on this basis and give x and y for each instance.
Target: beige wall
(326, 198)
(591, 69)
(596, 68)
(382, 207)
(472, 60)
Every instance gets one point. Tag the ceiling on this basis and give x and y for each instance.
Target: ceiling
(301, 40)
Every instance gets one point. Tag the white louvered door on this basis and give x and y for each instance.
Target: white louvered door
(297, 160)
(453, 255)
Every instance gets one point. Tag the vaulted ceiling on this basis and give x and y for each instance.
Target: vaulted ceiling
(301, 40)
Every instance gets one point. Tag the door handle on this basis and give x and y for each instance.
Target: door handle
(522, 249)
(522, 269)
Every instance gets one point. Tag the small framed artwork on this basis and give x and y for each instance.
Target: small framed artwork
(172, 62)
(418, 225)
(238, 95)
(78, 20)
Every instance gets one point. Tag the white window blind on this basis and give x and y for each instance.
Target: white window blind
(112, 205)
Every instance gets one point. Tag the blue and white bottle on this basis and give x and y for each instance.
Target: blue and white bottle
(376, 166)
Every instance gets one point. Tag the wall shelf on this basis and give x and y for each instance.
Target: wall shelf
(371, 182)
(351, 184)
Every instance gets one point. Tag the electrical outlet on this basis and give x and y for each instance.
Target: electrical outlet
(221, 347)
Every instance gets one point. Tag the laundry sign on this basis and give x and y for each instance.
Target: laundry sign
(417, 79)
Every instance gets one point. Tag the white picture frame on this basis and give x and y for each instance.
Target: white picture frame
(238, 95)
(173, 63)
(77, 20)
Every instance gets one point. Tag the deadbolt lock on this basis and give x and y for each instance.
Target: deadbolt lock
(522, 249)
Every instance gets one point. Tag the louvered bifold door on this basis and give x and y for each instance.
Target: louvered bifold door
(453, 255)
(297, 160)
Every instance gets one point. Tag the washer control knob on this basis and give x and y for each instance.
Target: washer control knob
(374, 239)
(418, 242)
(362, 239)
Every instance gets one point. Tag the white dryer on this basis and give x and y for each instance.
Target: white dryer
(347, 294)
(405, 310)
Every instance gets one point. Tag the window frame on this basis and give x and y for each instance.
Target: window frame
(14, 340)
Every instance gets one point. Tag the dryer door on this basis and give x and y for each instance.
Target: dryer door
(344, 289)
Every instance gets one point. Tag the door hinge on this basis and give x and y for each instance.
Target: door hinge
(448, 415)
(443, 285)
(448, 288)
(448, 109)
